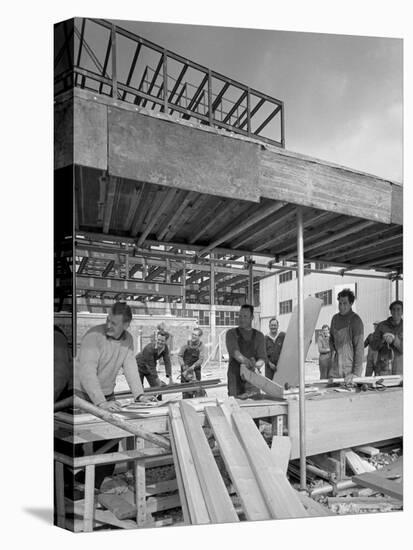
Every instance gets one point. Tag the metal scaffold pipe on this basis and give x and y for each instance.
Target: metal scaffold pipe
(301, 358)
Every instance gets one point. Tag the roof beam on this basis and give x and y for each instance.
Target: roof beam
(110, 184)
(258, 216)
(156, 214)
(82, 265)
(268, 120)
(169, 226)
(132, 67)
(289, 210)
(340, 234)
(155, 76)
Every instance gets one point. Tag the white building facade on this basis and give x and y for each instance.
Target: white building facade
(278, 297)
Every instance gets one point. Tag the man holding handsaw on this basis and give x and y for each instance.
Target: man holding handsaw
(190, 357)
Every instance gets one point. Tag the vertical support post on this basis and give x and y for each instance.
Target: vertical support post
(140, 486)
(397, 287)
(282, 126)
(301, 358)
(212, 307)
(114, 69)
(168, 280)
(210, 113)
(249, 112)
(89, 510)
(165, 81)
(139, 343)
(127, 264)
(250, 282)
(183, 287)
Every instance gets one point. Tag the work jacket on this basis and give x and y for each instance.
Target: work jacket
(389, 357)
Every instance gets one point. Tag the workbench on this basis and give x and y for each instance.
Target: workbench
(334, 421)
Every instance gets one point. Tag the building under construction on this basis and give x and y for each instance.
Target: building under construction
(174, 193)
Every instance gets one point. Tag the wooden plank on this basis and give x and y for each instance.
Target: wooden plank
(357, 464)
(237, 465)
(216, 496)
(197, 507)
(311, 182)
(89, 508)
(102, 517)
(120, 507)
(281, 499)
(333, 421)
(380, 483)
(259, 381)
(314, 508)
(287, 366)
(180, 483)
(121, 423)
(161, 487)
(140, 486)
(281, 450)
(60, 494)
(367, 450)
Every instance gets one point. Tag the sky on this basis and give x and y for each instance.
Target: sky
(343, 94)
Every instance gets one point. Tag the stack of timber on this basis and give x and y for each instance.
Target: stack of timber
(258, 474)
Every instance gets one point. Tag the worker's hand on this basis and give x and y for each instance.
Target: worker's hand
(111, 406)
(388, 337)
(147, 399)
(170, 380)
(253, 363)
(272, 366)
(348, 379)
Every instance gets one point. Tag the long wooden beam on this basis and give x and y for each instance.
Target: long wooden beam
(258, 216)
(115, 286)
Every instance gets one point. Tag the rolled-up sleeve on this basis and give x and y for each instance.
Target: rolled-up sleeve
(88, 367)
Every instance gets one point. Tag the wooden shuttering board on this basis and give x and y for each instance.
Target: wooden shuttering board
(281, 451)
(281, 499)
(380, 483)
(357, 464)
(217, 499)
(238, 466)
(191, 489)
(342, 421)
(259, 381)
(287, 366)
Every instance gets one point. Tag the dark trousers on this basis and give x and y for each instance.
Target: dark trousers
(236, 386)
(153, 380)
(196, 393)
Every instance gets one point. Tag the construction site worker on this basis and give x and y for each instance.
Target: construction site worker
(104, 350)
(147, 360)
(273, 345)
(371, 353)
(346, 339)
(324, 359)
(246, 346)
(191, 357)
(388, 341)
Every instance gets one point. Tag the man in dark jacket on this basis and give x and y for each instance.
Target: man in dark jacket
(388, 342)
(246, 347)
(346, 339)
(273, 345)
(190, 357)
(147, 360)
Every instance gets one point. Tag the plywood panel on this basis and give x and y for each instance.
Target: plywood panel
(342, 421)
(287, 367)
(157, 151)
